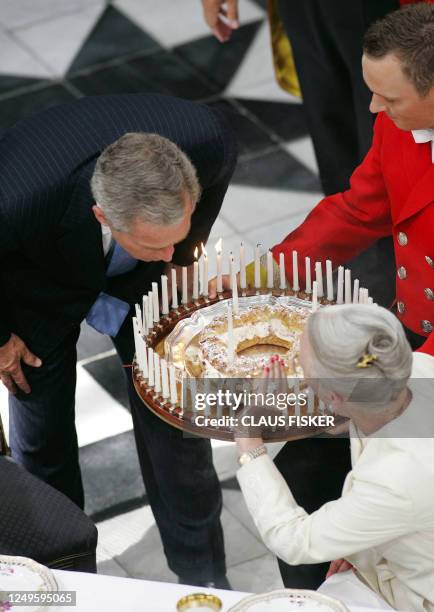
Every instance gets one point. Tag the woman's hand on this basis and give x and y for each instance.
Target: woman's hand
(340, 565)
(222, 17)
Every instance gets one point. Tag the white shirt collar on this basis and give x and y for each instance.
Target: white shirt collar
(421, 136)
(106, 238)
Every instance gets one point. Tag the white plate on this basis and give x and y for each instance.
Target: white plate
(289, 600)
(22, 574)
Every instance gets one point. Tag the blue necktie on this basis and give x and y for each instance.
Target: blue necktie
(108, 313)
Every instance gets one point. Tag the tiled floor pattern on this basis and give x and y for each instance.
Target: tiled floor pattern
(55, 51)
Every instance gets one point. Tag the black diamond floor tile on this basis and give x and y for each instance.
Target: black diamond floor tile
(18, 107)
(111, 475)
(286, 120)
(109, 80)
(251, 138)
(112, 37)
(10, 83)
(216, 61)
(109, 373)
(275, 170)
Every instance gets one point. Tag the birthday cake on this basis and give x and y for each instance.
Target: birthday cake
(221, 353)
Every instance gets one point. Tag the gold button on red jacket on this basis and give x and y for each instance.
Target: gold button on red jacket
(391, 193)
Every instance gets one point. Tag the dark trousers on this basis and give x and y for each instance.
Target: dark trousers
(178, 472)
(326, 38)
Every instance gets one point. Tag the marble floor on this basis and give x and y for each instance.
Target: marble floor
(55, 51)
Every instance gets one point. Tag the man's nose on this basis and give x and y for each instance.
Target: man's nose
(377, 104)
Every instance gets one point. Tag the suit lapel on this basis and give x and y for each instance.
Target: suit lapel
(420, 196)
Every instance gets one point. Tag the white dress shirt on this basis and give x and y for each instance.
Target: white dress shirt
(384, 521)
(106, 239)
(421, 136)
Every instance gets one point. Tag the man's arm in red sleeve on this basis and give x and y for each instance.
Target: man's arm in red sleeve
(343, 225)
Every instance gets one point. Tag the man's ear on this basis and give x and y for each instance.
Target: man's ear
(97, 211)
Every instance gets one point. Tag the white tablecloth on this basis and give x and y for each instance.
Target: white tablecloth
(97, 593)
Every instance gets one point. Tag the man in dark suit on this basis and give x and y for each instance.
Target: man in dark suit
(70, 251)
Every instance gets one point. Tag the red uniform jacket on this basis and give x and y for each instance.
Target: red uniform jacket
(391, 193)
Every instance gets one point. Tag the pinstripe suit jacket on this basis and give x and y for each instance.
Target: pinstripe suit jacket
(52, 264)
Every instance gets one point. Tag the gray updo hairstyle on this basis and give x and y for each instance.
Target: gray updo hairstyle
(341, 335)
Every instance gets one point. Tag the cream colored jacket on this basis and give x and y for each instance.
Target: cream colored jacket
(384, 522)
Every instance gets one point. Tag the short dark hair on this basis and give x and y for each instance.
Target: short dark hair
(408, 33)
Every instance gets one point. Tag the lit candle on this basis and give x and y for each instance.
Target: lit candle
(205, 291)
(196, 276)
(231, 339)
(139, 317)
(157, 373)
(348, 287)
(164, 295)
(270, 280)
(314, 296)
(218, 248)
(234, 292)
(340, 292)
(155, 302)
(308, 275)
(257, 267)
(164, 379)
(146, 324)
(329, 274)
(184, 299)
(295, 285)
(318, 278)
(173, 390)
(282, 271)
(150, 366)
(356, 291)
(174, 289)
(243, 279)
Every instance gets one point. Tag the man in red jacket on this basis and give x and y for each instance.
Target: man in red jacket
(392, 191)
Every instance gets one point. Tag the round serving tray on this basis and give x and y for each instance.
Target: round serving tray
(288, 600)
(173, 335)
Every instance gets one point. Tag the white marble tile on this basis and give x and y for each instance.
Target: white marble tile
(302, 149)
(240, 544)
(251, 207)
(19, 61)
(256, 576)
(172, 22)
(98, 414)
(109, 567)
(19, 13)
(225, 458)
(68, 31)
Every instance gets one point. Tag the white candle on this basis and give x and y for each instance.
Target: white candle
(196, 276)
(184, 299)
(173, 390)
(356, 291)
(182, 393)
(174, 289)
(150, 366)
(308, 275)
(205, 291)
(155, 302)
(295, 285)
(139, 317)
(329, 274)
(164, 379)
(140, 347)
(314, 296)
(231, 339)
(310, 400)
(235, 303)
(243, 279)
(340, 292)
(370, 300)
(150, 309)
(146, 323)
(270, 279)
(218, 248)
(231, 269)
(318, 278)
(157, 373)
(257, 267)
(297, 400)
(282, 271)
(348, 287)
(164, 295)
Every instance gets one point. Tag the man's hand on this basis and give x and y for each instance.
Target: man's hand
(222, 17)
(340, 565)
(11, 355)
(226, 284)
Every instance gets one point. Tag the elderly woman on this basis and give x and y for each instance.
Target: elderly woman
(359, 361)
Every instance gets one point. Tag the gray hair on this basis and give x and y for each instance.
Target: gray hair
(341, 335)
(143, 177)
